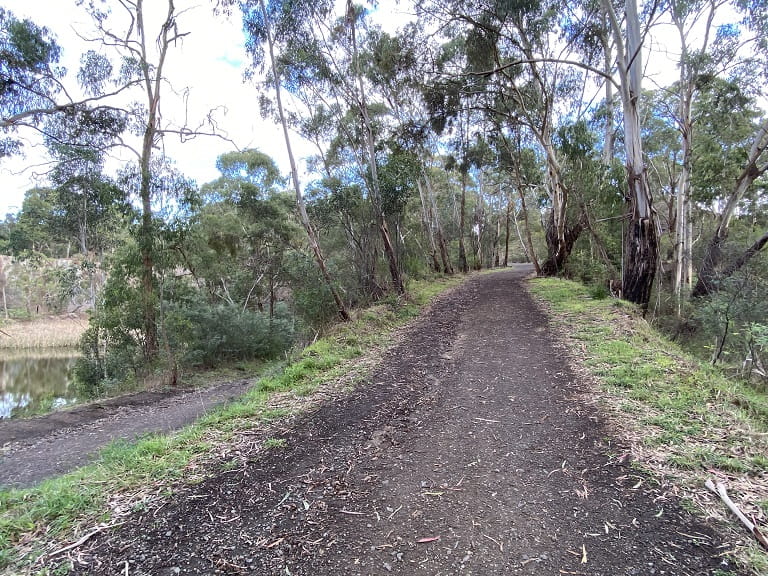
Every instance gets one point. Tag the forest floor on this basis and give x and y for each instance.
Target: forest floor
(471, 448)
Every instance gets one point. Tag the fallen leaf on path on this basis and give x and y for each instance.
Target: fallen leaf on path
(430, 539)
(583, 554)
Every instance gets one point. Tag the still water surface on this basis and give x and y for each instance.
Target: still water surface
(36, 382)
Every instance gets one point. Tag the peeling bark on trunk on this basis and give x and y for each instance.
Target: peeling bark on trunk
(556, 261)
(641, 245)
(641, 258)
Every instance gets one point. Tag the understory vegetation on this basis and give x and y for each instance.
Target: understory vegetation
(623, 146)
(470, 137)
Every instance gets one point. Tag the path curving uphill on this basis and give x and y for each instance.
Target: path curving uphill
(472, 449)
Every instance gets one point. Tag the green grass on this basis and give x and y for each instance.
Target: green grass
(686, 417)
(275, 443)
(32, 520)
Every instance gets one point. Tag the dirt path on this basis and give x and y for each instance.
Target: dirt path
(472, 450)
(38, 448)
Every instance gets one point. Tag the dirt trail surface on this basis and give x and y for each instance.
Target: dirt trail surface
(38, 448)
(472, 449)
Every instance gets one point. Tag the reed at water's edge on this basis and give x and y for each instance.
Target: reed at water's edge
(47, 332)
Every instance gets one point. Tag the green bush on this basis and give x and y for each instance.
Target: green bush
(209, 335)
(312, 300)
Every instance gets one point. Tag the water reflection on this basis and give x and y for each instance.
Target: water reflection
(36, 382)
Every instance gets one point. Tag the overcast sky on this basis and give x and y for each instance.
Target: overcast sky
(210, 62)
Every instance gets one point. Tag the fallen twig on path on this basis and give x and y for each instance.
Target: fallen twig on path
(499, 544)
(352, 512)
(82, 540)
(720, 490)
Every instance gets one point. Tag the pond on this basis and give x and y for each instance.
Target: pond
(36, 382)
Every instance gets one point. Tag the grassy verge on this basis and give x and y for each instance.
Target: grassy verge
(685, 421)
(129, 476)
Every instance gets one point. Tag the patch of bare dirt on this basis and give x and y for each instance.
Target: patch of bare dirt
(471, 449)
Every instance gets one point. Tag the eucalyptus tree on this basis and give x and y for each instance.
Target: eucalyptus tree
(278, 27)
(397, 66)
(33, 84)
(32, 230)
(237, 244)
(522, 164)
(356, 93)
(755, 163)
(140, 38)
(320, 64)
(750, 152)
(641, 238)
(512, 61)
(705, 50)
(89, 205)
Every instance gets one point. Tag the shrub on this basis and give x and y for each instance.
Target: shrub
(209, 335)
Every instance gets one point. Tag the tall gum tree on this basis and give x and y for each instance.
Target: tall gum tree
(693, 21)
(712, 269)
(260, 24)
(321, 67)
(514, 65)
(397, 68)
(641, 237)
(143, 60)
(359, 94)
(34, 86)
(141, 36)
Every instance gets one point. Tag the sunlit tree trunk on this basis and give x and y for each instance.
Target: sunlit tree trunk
(685, 16)
(641, 240)
(608, 136)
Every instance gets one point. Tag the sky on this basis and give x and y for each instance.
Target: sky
(210, 63)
